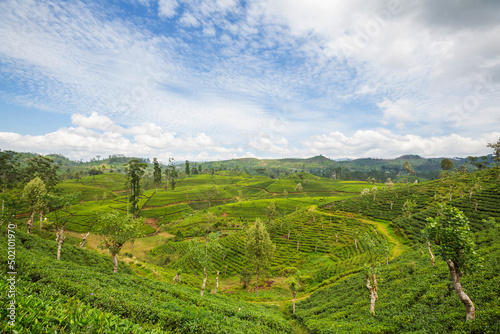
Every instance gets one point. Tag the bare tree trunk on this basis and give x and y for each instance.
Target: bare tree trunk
(41, 218)
(30, 222)
(257, 280)
(60, 240)
(430, 252)
(115, 262)
(475, 206)
(356, 243)
(373, 292)
(470, 310)
(336, 237)
(392, 203)
(435, 195)
(321, 225)
(298, 243)
(204, 281)
(84, 236)
(216, 283)
(293, 302)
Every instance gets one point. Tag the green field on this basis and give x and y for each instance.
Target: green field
(318, 235)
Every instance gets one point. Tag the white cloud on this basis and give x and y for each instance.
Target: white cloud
(396, 111)
(381, 143)
(167, 8)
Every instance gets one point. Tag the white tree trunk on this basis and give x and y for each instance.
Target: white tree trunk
(84, 236)
(373, 292)
(204, 282)
(41, 218)
(430, 252)
(298, 243)
(216, 283)
(470, 310)
(257, 280)
(30, 222)
(356, 243)
(115, 262)
(293, 302)
(60, 240)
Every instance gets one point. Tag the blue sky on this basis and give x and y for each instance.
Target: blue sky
(221, 79)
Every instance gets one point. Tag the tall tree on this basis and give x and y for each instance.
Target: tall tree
(370, 269)
(45, 168)
(135, 170)
(298, 188)
(259, 248)
(115, 230)
(408, 170)
(450, 232)
(203, 257)
(34, 194)
(271, 212)
(156, 173)
(496, 150)
(59, 204)
(188, 171)
(9, 173)
(171, 173)
(447, 164)
(294, 285)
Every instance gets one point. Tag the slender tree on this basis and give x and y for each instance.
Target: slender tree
(115, 230)
(370, 269)
(9, 173)
(298, 188)
(34, 194)
(188, 171)
(271, 212)
(408, 170)
(259, 248)
(135, 171)
(203, 257)
(294, 285)
(450, 232)
(156, 173)
(59, 204)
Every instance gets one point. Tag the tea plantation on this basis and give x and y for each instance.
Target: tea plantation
(324, 232)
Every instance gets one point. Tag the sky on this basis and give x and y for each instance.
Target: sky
(221, 79)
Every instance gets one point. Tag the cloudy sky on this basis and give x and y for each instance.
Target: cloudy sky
(220, 79)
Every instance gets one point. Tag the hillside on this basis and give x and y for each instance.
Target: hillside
(317, 228)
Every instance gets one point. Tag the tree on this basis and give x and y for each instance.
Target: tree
(187, 169)
(298, 188)
(450, 232)
(294, 285)
(45, 169)
(408, 207)
(156, 173)
(447, 164)
(271, 212)
(135, 170)
(171, 172)
(259, 248)
(408, 170)
(370, 269)
(203, 258)
(60, 203)
(34, 194)
(496, 150)
(115, 230)
(9, 173)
